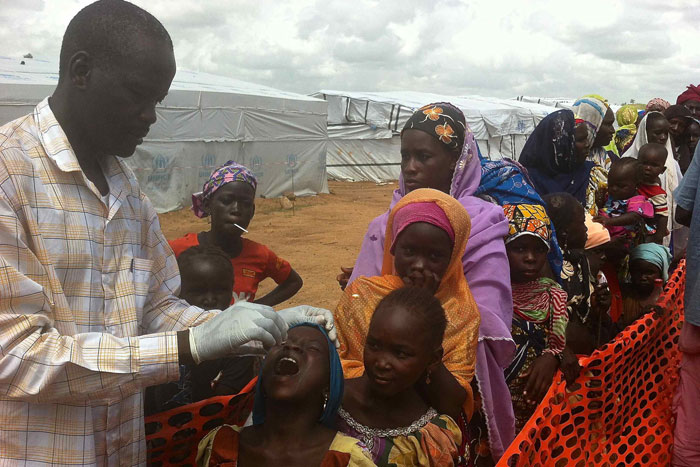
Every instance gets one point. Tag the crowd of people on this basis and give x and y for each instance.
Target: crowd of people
(434, 355)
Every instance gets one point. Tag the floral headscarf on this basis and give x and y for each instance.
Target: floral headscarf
(229, 172)
(657, 104)
(442, 121)
(527, 219)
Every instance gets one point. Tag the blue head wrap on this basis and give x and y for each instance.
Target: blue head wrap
(336, 385)
(653, 253)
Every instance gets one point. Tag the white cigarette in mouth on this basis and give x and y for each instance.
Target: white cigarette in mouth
(244, 230)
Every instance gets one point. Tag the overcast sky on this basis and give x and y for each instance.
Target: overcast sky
(629, 49)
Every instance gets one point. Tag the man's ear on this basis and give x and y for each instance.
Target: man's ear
(80, 69)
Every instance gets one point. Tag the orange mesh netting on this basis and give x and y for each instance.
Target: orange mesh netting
(172, 437)
(618, 412)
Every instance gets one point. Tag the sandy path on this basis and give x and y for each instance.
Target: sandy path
(324, 232)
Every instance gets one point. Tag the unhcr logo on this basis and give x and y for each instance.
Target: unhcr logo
(208, 165)
(291, 164)
(160, 177)
(256, 166)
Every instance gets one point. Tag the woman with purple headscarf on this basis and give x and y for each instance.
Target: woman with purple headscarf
(438, 151)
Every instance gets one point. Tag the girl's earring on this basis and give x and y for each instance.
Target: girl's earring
(427, 378)
(325, 401)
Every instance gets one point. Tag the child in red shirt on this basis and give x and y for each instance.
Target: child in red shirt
(228, 196)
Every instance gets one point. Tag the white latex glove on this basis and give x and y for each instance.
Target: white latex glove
(235, 330)
(310, 314)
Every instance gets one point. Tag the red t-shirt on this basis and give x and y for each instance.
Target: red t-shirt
(255, 263)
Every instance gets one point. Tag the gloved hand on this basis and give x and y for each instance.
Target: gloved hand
(310, 314)
(228, 332)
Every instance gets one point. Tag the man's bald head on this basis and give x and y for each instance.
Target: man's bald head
(109, 30)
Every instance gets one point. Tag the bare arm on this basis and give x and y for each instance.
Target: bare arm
(284, 291)
(683, 216)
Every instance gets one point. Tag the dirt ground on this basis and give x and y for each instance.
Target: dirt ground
(321, 234)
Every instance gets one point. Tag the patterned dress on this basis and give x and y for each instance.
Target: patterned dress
(220, 448)
(429, 441)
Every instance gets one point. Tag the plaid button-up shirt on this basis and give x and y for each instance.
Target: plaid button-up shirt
(88, 310)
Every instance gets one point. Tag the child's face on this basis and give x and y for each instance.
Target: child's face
(421, 248)
(622, 183)
(657, 131)
(233, 203)
(581, 147)
(652, 164)
(596, 258)
(397, 350)
(526, 256)
(206, 284)
(644, 274)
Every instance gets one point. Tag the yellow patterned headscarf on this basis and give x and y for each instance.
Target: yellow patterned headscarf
(627, 115)
(356, 306)
(527, 219)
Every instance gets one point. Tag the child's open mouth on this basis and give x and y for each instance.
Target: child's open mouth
(286, 366)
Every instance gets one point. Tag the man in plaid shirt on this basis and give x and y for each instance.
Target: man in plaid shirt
(88, 308)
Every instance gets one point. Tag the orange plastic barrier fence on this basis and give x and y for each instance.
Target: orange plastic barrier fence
(172, 437)
(618, 412)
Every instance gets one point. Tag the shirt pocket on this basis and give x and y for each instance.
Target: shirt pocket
(142, 275)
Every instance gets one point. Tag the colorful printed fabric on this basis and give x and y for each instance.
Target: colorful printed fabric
(597, 181)
(627, 115)
(221, 448)
(591, 112)
(624, 136)
(617, 207)
(431, 440)
(504, 182)
(543, 301)
(550, 160)
(441, 120)
(527, 219)
(539, 326)
(690, 94)
(486, 253)
(229, 172)
(656, 196)
(657, 104)
(361, 297)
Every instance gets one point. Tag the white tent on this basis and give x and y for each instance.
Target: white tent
(364, 127)
(205, 121)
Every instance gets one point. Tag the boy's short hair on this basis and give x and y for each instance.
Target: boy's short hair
(561, 208)
(422, 303)
(660, 148)
(214, 253)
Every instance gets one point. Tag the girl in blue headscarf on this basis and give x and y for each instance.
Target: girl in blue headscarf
(297, 397)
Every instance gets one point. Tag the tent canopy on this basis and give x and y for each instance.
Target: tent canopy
(364, 127)
(204, 121)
